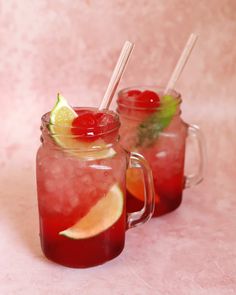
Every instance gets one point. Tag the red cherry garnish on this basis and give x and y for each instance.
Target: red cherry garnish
(89, 126)
(82, 125)
(147, 99)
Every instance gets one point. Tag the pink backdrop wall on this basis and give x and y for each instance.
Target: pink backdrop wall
(71, 46)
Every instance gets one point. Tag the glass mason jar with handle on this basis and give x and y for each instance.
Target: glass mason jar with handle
(81, 189)
(151, 125)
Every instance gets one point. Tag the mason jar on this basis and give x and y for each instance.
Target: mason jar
(81, 188)
(161, 136)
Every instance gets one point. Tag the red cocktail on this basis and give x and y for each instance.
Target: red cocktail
(151, 125)
(81, 187)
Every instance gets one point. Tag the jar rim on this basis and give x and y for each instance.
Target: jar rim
(158, 90)
(45, 119)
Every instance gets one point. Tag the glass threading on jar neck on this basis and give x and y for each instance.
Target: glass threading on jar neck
(126, 104)
(55, 135)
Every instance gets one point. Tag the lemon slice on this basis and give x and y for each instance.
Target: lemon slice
(61, 118)
(100, 217)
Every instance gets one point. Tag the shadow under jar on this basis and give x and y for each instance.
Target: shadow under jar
(161, 136)
(81, 189)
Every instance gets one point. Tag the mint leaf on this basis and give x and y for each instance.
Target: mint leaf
(150, 128)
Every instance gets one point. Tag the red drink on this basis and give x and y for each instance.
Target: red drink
(151, 125)
(81, 190)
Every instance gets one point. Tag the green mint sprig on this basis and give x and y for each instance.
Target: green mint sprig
(150, 128)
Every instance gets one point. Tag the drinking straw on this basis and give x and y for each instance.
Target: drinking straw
(181, 62)
(116, 75)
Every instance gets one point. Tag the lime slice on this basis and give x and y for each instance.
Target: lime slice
(62, 114)
(150, 128)
(61, 118)
(100, 217)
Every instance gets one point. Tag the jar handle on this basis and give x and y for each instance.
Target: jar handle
(137, 218)
(195, 133)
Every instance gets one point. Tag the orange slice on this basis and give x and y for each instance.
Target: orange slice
(135, 184)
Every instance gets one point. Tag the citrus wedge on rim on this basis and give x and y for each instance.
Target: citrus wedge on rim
(60, 122)
(61, 115)
(99, 218)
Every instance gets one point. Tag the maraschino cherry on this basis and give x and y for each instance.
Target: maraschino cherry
(145, 99)
(89, 125)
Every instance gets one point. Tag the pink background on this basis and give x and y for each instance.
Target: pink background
(71, 46)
